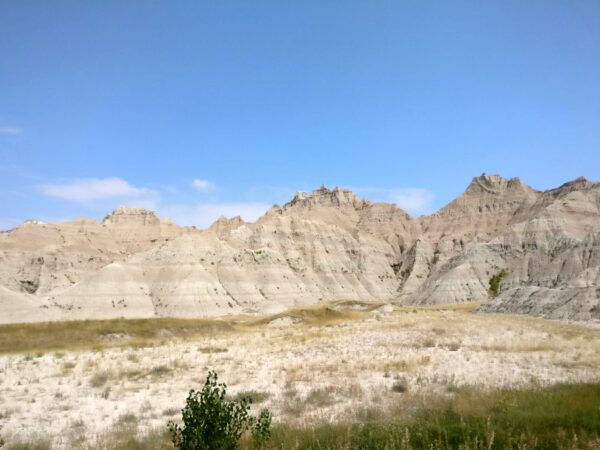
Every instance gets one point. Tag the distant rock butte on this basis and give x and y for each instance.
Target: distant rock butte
(329, 244)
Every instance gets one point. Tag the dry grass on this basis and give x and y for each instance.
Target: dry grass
(212, 350)
(342, 361)
(99, 380)
(101, 334)
(253, 396)
(19, 338)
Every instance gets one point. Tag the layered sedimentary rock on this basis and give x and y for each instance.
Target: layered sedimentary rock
(549, 248)
(325, 245)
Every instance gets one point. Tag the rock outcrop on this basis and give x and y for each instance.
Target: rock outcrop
(329, 244)
(548, 243)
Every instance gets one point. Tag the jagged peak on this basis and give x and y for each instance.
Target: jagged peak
(132, 214)
(579, 181)
(225, 224)
(325, 197)
(131, 210)
(300, 195)
(234, 219)
(496, 185)
(274, 210)
(224, 220)
(485, 191)
(33, 222)
(578, 184)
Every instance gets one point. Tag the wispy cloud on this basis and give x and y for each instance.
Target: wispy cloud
(10, 130)
(93, 189)
(204, 185)
(202, 215)
(416, 201)
(100, 193)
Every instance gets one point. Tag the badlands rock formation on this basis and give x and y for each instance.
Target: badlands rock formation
(326, 245)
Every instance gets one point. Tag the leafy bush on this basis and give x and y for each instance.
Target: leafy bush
(212, 422)
(495, 283)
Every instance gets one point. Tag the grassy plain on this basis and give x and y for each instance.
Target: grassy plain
(336, 375)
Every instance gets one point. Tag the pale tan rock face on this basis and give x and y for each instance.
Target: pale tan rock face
(329, 245)
(549, 246)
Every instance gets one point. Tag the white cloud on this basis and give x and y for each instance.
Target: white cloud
(92, 189)
(204, 185)
(10, 130)
(202, 215)
(414, 200)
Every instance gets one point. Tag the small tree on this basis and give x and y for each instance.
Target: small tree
(212, 422)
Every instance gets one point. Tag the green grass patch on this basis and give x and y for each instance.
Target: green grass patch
(563, 416)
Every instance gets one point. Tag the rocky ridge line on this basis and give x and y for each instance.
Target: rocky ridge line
(329, 244)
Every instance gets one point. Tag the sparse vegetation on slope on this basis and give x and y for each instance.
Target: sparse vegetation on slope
(494, 290)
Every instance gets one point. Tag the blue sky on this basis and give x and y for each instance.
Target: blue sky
(200, 108)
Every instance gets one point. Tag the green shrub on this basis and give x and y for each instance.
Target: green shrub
(212, 422)
(494, 290)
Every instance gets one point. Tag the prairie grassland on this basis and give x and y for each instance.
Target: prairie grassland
(94, 334)
(115, 384)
